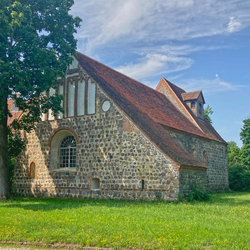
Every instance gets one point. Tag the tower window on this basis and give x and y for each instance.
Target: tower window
(192, 105)
(200, 108)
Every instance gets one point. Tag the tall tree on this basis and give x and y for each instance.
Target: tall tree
(245, 137)
(36, 44)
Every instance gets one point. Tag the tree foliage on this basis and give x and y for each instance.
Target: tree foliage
(207, 113)
(239, 178)
(239, 160)
(36, 41)
(245, 132)
(36, 46)
(241, 155)
(245, 137)
(233, 153)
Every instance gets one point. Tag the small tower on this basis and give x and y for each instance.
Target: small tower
(195, 101)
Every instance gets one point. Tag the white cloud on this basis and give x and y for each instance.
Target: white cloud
(124, 21)
(155, 64)
(208, 86)
(139, 27)
(233, 25)
(160, 60)
(175, 50)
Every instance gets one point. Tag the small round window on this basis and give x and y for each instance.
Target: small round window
(106, 106)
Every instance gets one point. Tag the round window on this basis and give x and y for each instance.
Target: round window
(106, 106)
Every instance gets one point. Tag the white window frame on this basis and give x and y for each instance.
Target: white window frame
(69, 152)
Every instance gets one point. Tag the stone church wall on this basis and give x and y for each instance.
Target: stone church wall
(211, 153)
(109, 149)
(114, 159)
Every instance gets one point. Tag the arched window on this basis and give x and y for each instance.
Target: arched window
(58, 156)
(32, 171)
(68, 152)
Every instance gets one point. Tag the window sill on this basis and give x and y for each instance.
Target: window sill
(58, 170)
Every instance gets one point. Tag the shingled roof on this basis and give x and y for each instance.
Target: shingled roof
(146, 107)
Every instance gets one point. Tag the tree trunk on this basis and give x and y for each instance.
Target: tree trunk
(4, 166)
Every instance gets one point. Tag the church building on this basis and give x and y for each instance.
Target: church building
(120, 139)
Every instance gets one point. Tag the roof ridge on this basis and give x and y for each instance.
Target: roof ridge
(174, 84)
(192, 92)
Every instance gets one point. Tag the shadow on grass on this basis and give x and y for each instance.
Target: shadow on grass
(47, 204)
(231, 199)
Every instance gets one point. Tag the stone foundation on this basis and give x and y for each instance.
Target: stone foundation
(79, 193)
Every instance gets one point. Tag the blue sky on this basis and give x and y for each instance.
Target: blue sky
(194, 44)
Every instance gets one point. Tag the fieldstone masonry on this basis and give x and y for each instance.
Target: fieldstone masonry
(110, 148)
(190, 178)
(216, 152)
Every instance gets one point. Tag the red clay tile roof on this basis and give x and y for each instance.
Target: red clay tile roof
(191, 95)
(15, 115)
(146, 107)
(178, 91)
(206, 127)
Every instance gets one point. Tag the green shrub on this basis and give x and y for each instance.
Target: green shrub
(198, 195)
(239, 178)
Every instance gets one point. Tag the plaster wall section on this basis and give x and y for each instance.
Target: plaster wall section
(216, 159)
(71, 99)
(110, 147)
(81, 98)
(60, 92)
(91, 96)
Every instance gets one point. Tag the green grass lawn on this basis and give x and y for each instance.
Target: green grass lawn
(221, 223)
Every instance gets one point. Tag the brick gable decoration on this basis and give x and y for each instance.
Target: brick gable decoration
(121, 139)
